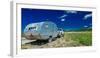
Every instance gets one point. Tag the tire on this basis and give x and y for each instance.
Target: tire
(50, 39)
(58, 36)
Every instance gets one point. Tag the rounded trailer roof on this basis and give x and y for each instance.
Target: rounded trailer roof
(38, 24)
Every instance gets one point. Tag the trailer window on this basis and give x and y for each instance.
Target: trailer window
(32, 28)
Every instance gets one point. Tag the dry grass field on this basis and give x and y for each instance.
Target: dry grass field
(70, 39)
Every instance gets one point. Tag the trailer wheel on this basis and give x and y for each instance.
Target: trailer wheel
(58, 36)
(50, 39)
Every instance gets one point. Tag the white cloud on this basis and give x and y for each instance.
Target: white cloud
(63, 19)
(71, 11)
(63, 16)
(87, 16)
(85, 26)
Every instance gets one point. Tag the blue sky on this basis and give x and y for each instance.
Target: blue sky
(66, 19)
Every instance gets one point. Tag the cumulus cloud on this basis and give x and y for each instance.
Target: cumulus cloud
(87, 16)
(71, 11)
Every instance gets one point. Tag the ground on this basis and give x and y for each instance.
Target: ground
(70, 39)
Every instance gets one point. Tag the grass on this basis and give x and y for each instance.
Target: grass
(79, 38)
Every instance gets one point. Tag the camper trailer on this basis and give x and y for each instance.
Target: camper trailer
(42, 31)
